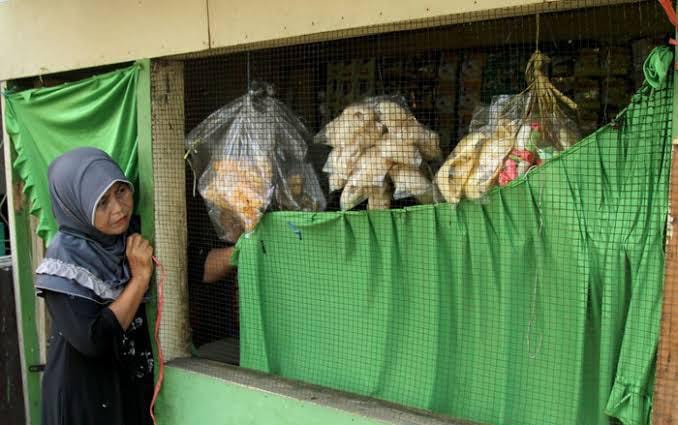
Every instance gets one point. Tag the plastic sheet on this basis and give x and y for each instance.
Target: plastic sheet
(250, 156)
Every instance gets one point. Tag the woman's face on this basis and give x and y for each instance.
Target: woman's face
(114, 210)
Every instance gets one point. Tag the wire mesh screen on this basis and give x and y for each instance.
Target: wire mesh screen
(465, 217)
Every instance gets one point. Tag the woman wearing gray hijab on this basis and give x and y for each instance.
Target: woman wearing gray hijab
(94, 277)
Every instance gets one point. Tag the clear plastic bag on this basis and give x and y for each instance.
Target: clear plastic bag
(507, 138)
(379, 152)
(250, 156)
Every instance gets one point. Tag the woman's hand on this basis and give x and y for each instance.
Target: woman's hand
(139, 256)
(140, 259)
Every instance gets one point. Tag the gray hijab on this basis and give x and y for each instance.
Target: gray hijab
(81, 261)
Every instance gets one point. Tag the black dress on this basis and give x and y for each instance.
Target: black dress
(96, 373)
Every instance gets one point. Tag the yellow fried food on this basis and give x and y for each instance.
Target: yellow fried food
(409, 181)
(240, 189)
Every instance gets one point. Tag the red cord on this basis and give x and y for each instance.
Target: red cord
(670, 11)
(161, 359)
(671, 14)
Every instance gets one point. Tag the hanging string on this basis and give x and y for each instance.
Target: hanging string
(248, 73)
(536, 38)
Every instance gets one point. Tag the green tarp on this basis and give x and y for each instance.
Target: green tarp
(540, 305)
(43, 123)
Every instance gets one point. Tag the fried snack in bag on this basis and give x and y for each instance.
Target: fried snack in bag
(411, 181)
(368, 178)
(238, 206)
(537, 120)
(250, 156)
(369, 139)
(356, 126)
(399, 121)
(490, 159)
(379, 198)
(455, 172)
(397, 149)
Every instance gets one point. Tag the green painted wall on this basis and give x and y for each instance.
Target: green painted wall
(23, 285)
(191, 398)
(21, 238)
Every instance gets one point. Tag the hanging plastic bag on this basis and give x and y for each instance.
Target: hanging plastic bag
(379, 153)
(250, 156)
(507, 138)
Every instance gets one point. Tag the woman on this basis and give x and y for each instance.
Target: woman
(93, 279)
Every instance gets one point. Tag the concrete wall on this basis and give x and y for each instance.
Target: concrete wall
(39, 37)
(200, 392)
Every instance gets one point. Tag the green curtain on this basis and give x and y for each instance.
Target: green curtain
(44, 123)
(539, 305)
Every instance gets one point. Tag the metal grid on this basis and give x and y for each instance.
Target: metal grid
(440, 72)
